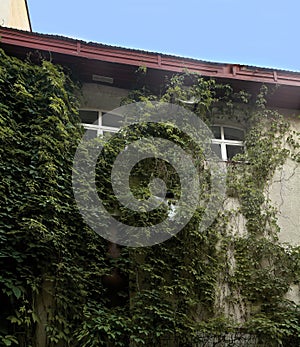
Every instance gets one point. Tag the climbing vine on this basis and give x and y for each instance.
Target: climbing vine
(249, 263)
(62, 284)
(51, 263)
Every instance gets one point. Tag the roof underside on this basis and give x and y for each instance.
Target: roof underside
(87, 59)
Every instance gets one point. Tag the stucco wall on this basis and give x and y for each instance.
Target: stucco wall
(285, 193)
(13, 14)
(101, 97)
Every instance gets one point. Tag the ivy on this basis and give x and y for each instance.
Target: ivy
(56, 274)
(51, 263)
(263, 268)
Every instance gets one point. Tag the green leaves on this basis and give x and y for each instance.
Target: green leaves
(39, 225)
(8, 340)
(53, 265)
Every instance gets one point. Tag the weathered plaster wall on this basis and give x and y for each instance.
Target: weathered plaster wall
(13, 14)
(101, 97)
(285, 193)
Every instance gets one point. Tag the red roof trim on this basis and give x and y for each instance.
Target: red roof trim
(111, 54)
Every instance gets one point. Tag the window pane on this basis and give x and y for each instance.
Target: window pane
(108, 134)
(233, 134)
(233, 150)
(88, 117)
(91, 134)
(111, 120)
(216, 131)
(216, 148)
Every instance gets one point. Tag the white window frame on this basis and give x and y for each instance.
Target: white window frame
(98, 127)
(224, 142)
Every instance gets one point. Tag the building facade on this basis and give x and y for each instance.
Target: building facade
(107, 74)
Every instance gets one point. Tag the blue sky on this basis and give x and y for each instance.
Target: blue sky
(259, 32)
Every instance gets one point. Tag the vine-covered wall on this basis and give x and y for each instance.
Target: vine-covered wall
(60, 284)
(253, 272)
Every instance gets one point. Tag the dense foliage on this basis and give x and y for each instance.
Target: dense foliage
(51, 263)
(58, 284)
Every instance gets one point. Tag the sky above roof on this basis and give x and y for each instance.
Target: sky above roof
(262, 33)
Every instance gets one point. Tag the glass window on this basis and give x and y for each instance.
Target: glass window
(108, 134)
(233, 134)
(89, 117)
(111, 120)
(91, 134)
(98, 122)
(228, 141)
(233, 150)
(216, 148)
(216, 130)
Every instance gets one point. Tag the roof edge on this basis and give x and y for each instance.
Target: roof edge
(113, 54)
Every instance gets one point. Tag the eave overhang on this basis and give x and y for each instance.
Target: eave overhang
(78, 53)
